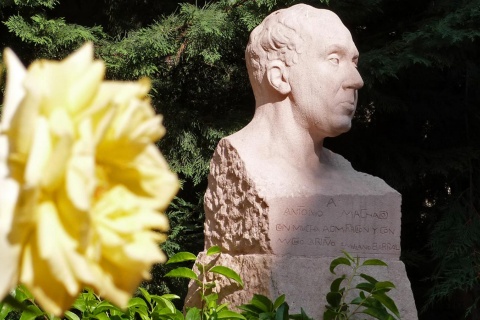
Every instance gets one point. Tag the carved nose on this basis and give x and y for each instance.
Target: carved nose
(354, 80)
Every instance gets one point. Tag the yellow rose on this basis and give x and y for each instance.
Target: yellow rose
(82, 182)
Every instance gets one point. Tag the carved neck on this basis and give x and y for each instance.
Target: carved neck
(275, 124)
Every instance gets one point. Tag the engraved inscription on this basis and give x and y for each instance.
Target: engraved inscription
(303, 211)
(364, 214)
(310, 242)
(331, 201)
(326, 225)
(347, 228)
(293, 227)
(385, 246)
(359, 229)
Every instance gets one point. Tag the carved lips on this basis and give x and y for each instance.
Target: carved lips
(349, 107)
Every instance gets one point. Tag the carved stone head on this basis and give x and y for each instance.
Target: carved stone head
(306, 55)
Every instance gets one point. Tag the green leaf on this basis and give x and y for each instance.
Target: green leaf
(222, 306)
(10, 303)
(376, 313)
(182, 272)
(357, 301)
(85, 300)
(339, 261)
(301, 316)
(227, 314)
(213, 315)
(181, 257)
(211, 298)
(164, 303)
(387, 302)
(278, 302)
(266, 316)
(79, 304)
(227, 272)
(374, 262)
(335, 286)
(105, 306)
(209, 285)
(31, 312)
(137, 308)
(349, 257)
(21, 293)
(365, 286)
(213, 250)
(102, 316)
(282, 312)
(250, 308)
(145, 294)
(262, 302)
(169, 296)
(137, 303)
(370, 279)
(5, 309)
(382, 285)
(71, 316)
(160, 310)
(329, 315)
(118, 312)
(372, 302)
(202, 267)
(334, 298)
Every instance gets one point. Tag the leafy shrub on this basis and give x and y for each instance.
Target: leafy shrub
(372, 298)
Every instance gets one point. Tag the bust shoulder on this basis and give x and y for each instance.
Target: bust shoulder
(273, 176)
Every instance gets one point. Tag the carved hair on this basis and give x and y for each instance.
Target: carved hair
(277, 38)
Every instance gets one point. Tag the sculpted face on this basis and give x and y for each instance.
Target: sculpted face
(325, 80)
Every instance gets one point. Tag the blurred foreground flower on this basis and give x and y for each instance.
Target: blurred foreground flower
(82, 184)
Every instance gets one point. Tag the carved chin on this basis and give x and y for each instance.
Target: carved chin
(340, 128)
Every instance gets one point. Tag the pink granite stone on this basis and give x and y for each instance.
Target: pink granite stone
(280, 204)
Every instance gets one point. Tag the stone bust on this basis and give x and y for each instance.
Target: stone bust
(302, 65)
(278, 203)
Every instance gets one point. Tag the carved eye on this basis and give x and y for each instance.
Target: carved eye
(355, 61)
(335, 60)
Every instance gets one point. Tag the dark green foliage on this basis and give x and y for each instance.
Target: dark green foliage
(206, 283)
(30, 3)
(261, 307)
(419, 113)
(53, 37)
(455, 244)
(416, 124)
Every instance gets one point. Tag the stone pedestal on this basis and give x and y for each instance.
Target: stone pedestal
(281, 239)
(304, 280)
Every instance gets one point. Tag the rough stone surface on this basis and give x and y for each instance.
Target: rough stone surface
(237, 216)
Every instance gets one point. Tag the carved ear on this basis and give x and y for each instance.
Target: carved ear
(277, 75)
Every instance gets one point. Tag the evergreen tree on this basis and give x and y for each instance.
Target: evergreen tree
(416, 124)
(420, 111)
